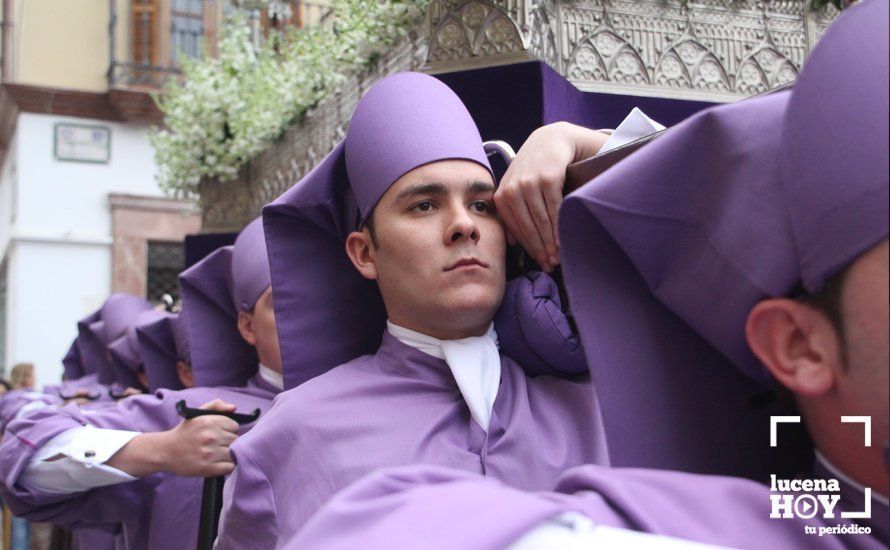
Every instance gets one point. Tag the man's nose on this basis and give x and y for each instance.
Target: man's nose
(462, 227)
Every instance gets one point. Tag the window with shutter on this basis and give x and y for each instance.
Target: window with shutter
(294, 13)
(145, 32)
(161, 33)
(186, 30)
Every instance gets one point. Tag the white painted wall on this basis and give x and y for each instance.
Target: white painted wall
(8, 177)
(51, 286)
(70, 199)
(58, 248)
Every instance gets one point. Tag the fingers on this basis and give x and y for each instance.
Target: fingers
(553, 198)
(527, 201)
(527, 234)
(218, 405)
(227, 425)
(214, 423)
(218, 469)
(502, 204)
(537, 206)
(522, 211)
(219, 464)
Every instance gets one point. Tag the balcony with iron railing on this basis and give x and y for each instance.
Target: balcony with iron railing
(160, 33)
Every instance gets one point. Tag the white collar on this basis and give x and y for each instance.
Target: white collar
(848, 480)
(475, 364)
(274, 379)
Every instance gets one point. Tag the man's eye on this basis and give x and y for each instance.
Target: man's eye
(423, 206)
(482, 206)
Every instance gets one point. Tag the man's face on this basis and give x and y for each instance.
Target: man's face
(864, 382)
(258, 328)
(439, 258)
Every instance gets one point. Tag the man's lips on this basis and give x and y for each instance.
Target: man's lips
(466, 262)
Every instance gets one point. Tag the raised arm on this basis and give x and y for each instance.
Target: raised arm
(531, 191)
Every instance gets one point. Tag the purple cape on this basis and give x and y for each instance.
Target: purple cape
(652, 232)
(211, 323)
(672, 247)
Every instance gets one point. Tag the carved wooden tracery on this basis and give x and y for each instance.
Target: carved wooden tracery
(704, 49)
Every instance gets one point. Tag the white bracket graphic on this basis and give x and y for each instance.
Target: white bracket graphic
(860, 420)
(774, 420)
(865, 513)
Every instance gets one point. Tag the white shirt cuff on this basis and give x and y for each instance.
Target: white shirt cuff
(573, 531)
(73, 461)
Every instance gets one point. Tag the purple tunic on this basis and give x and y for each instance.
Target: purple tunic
(158, 511)
(432, 508)
(399, 406)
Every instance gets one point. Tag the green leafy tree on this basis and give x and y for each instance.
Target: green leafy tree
(228, 109)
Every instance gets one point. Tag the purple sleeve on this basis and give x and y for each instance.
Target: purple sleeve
(12, 402)
(249, 517)
(114, 503)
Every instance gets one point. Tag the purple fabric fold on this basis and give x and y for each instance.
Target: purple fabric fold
(250, 266)
(438, 508)
(90, 348)
(666, 253)
(533, 329)
(660, 270)
(72, 364)
(126, 363)
(833, 161)
(159, 352)
(220, 356)
(118, 314)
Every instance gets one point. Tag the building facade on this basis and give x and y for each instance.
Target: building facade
(81, 215)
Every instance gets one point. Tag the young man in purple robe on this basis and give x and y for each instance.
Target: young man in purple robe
(764, 226)
(436, 390)
(135, 464)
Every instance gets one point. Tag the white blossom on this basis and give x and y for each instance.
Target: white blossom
(227, 110)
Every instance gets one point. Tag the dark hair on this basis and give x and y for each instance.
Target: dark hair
(369, 223)
(5, 384)
(828, 302)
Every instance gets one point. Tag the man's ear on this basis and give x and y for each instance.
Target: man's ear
(361, 253)
(796, 343)
(184, 372)
(245, 327)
